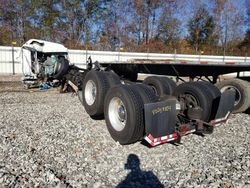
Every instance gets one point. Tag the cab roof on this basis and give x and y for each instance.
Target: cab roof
(44, 46)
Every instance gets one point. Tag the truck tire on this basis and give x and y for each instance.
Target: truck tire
(80, 96)
(62, 68)
(214, 93)
(242, 95)
(161, 85)
(212, 89)
(194, 96)
(123, 111)
(113, 78)
(170, 83)
(147, 93)
(94, 89)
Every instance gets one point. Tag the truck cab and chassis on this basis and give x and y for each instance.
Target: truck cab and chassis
(156, 109)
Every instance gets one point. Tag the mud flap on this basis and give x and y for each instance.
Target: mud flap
(160, 118)
(226, 104)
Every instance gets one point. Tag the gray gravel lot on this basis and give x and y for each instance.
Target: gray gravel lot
(48, 140)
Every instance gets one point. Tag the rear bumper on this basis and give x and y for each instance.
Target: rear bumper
(160, 140)
(185, 129)
(218, 121)
(161, 123)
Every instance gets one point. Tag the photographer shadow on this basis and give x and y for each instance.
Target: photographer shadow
(138, 178)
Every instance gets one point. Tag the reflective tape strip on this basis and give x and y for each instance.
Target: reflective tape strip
(175, 135)
(164, 137)
(219, 120)
(203, 62)
(191, 131)
(171, 139)
(150, 137)
(160, 140)
(157, 143)
(230, 63)
(148, 140)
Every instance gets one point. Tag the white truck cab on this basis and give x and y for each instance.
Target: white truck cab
(43, 60)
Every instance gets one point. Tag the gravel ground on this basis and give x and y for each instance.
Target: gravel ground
(48, 140)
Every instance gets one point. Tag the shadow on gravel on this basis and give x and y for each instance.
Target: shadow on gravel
(138, 178)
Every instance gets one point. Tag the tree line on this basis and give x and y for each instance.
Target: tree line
(217, 27)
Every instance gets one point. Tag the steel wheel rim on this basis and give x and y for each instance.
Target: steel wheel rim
(117, 114)
(192, 101)
(237, 93)
(154, 90)
(90, 92)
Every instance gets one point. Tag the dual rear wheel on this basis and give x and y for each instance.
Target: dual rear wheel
(103, 95)
(161, 85)
(199, 100)
(124, 111)
(95, 87)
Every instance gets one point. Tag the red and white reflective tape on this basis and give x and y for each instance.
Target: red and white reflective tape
(203, 62)
(176, 61)
(219, 120)
(156, 141)
(230, 63)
